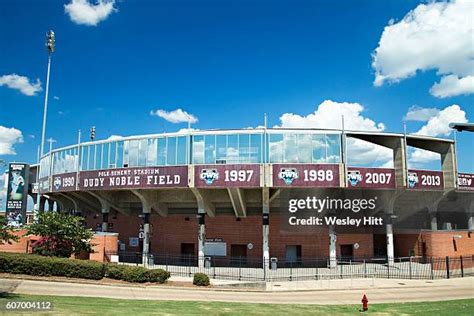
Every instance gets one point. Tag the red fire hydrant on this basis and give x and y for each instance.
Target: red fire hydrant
(365, 303)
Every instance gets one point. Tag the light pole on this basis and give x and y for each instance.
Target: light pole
(50, 45)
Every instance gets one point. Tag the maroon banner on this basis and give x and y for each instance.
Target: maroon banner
(244, 176)
(64, 182)
(134, 178)
(372, 178)
(425, 180)
(306, 175)
(466, 181)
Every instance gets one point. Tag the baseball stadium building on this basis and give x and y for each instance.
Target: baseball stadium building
(225, 194)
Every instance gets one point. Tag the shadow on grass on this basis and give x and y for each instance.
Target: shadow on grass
(8, 295)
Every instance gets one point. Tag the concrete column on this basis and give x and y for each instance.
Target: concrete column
(266, 227)
(146, 237)
(332, 247)
(42, 204)
(433, 221)
(105, 221)
(470, 222)
(390, 251)
(201, 237)
(50, 205)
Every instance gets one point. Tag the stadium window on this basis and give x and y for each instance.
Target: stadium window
(319, 148)
(142, 152)
(276, 148)
(333, 148)
(152, 152)
(210, 149)
(232, 149)
(198, 149)
(171, 151)
(255, 149)
(290, 148)
(161, 161)
(120, 152)
(221, 147)
(112, 155)
(244, 148)
(181, 151)
(305, 150)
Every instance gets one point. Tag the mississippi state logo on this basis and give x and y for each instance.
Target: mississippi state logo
(209, 175)
(288, 175)
(354, 177)
(57, 183)
(412, 179)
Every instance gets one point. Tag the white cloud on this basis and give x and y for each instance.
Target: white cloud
(114, 137)
(3, 190)
(176, 116)
(84, 12)
(437, 125)
(329, 115)
(21, 83)
(434, 36)
(8, 138)
(56, 97)
(453, 85)
(420, 114)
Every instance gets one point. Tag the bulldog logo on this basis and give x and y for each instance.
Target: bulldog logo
(57, 183)
(209, 175)
(288, 175)
(354, 177)
(412, 179)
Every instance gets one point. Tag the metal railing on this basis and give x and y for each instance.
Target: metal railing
(249, 269)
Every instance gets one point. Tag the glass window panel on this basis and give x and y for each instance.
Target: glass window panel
(152, 152)
(319, 148)
(198, 149)
(120, 154)
(255, 149)
(112, 156)
(210, 149)
(171, 151)
(142, 152)
(97, 155)
(161, 151)
(305, 148)
(104, 164)
(232, 151)
(88, 162)
(290, 149)
(221, 147)
(334, 148)
(244, 148)
(276, 148)
(181, 150)
(132, 153)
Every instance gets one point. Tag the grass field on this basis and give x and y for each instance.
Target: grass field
(63, 305)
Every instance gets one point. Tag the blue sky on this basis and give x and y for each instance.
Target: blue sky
(227, 63)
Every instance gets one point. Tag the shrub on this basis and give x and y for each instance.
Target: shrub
(201, 279)
(158, 275)
(48, 266)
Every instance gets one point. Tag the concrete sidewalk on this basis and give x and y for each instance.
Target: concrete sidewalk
(420, 291)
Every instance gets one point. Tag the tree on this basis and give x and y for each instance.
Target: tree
(61, 235)
(6, 235)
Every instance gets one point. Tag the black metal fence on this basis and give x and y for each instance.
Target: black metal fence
(247, 269)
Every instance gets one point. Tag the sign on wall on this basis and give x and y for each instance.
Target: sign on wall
(425, 180)
(64, 182)
(17, 193)
(134, 178)
(306, 175)
(372, 178)
(227, 176)
(466, 181)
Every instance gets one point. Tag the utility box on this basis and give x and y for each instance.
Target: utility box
(207, 262)
(273, 263)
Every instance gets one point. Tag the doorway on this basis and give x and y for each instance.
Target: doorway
(293, 254)
(238, 254)
(347, 252)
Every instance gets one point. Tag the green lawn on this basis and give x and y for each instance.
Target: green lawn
(103, 306)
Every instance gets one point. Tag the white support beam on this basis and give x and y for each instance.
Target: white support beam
(237, 199)
(204, 202)
(152, 201)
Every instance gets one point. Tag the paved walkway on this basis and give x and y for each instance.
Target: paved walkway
(381, 293)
